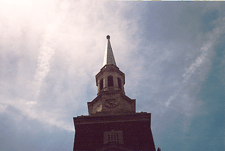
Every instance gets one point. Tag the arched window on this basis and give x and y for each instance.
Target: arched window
(101, 84)
(110, 81)
(119, 83)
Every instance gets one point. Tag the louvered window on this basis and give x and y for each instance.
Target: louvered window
(113, 137)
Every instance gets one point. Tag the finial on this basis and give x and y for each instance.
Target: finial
(107, 37)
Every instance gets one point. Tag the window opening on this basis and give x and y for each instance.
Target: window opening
(113, 137)
(119, 83)
(110, 81)
(101, 84)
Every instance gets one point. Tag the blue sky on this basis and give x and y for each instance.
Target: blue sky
(171, 53)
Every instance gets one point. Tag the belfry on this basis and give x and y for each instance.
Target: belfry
(112, 123)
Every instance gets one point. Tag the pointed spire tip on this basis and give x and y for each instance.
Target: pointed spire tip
(109, 58)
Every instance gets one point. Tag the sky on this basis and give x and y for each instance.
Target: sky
(172, 54)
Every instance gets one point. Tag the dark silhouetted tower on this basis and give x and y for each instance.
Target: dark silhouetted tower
(112, 123)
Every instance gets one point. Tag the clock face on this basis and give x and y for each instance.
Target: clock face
(111, 103)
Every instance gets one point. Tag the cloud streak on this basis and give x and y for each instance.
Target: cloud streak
(62, 41)
(43, 66)
(191, 71)
(204, 57)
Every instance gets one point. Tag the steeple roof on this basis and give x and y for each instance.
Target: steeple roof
(109, 57)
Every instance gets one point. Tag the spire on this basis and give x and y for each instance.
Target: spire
(109, 58)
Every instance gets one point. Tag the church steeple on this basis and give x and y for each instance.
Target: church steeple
(109, 57)
(112, 123)
(110, 78)
(111, 98)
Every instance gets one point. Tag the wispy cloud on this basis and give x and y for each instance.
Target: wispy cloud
(46, 52)
(200, 61)
(62, 40)
(190, 71)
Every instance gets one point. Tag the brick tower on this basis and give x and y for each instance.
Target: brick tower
(112, 123)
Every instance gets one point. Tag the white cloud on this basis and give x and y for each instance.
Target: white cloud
(46, 52)
(59, 42)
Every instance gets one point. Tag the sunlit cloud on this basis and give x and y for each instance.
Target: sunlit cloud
(46, 52)
(63, 39)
